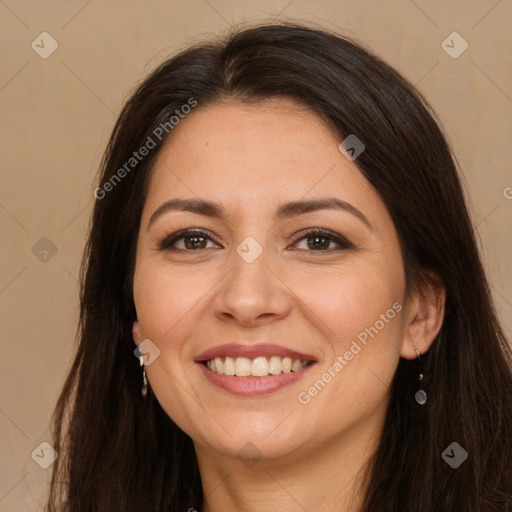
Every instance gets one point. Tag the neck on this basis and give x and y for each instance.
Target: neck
(323, 477)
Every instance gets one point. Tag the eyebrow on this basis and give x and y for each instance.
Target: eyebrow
(285, 211)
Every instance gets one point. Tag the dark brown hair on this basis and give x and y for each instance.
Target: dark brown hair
(120, 452)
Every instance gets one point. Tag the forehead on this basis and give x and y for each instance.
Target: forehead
(253, 155)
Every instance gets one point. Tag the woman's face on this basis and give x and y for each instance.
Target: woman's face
(252, 287)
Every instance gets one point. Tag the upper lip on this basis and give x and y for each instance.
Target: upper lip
(251, 352)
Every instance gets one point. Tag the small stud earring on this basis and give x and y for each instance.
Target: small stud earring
(144, 389)
(420, 396)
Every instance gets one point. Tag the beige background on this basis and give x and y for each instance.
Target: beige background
(57, 113)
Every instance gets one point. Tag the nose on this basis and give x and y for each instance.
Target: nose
(252, 293)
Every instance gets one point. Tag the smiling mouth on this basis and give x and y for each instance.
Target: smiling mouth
(261, 366)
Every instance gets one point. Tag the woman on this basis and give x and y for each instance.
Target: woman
(281, 238)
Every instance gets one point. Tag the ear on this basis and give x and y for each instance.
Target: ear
(137, 338)
(424, 315)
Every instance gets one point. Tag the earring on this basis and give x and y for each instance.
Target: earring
(420, 396)
(144, 389)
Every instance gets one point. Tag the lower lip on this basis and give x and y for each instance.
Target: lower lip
(253, 386)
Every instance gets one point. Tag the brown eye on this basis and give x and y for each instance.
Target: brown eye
(193, 240)
(320, 240)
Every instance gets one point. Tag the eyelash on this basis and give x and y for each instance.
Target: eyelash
(166, 243)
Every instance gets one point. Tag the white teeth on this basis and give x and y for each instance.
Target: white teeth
(258, 367)
(296, 365)
(275, 366)
(229, 366)
(242, 367)
(219, 367)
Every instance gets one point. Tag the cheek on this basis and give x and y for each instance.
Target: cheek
(352, 300)
(168, 304)
(164, 298)
(362, 309)
(359, 313)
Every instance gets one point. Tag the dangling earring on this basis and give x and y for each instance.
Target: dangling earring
(420, 396)
(144, 389)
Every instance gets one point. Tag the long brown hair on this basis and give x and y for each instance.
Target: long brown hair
(120, 452)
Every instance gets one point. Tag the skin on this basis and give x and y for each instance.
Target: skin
(251, 159)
